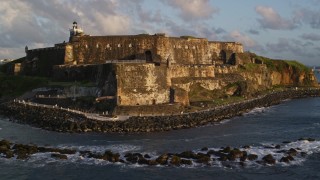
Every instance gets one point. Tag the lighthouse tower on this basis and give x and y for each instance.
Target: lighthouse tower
(75, 31)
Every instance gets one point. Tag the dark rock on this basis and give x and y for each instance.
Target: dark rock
(4, 149)
(147, 156)
(132, 159)
(246, 147)
(5, 143)
(67, 151)
(84, 153)
(215, 153)
(9, 154)
(244, 158)
(175, 160)
(128, 155)
(163, 159)
(234, 154)
(137, 154)
(223, 158)
(292, 152)
(204, 160)
(269, 159)
(308, 139)
(205, 149)
(59, 156)
(286, 159)
(188, 155)
(303, 154)
(153, 163)
(226, 150)
(25, 149)
(142, 160)
(277, 146)
(252, 157)
(286, 142)
(311, 139)
(186, 162)
(22, 155)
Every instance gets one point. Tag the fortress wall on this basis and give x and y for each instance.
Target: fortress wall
(189, 51)
(99, 49)
(152, 48)
(143, 84)
(217, 47)
(40, 62)
(177, 71)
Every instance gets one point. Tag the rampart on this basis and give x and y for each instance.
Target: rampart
(40, 62)
(152, 48)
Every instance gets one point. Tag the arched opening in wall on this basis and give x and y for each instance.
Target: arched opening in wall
(223, 56)
(232, 59)
(148, 56)
(153, 102)
(171, 96)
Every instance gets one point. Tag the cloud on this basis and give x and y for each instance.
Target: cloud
(190, 10)
(37, 22)
(254, 32)
(309, 17)
(291, 46)
(311, 37)
(242, 38)
(272, 20)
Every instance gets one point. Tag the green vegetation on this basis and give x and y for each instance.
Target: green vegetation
(17, 85)
(281, 65)
(198, 93)
(12, 86)
(249, 67)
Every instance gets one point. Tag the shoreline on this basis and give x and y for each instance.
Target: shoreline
(55, 119)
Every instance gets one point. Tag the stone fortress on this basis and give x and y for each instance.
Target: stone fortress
(140, 69)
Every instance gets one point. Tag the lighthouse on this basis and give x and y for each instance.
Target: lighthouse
(75, 31)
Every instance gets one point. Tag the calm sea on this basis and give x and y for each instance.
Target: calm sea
(261, 127)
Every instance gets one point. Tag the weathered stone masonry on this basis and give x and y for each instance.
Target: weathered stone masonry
(134, 69)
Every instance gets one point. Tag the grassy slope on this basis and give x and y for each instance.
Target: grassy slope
(16, 85)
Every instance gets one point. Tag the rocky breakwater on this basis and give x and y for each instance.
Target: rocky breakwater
(65, 121)
(283, 153)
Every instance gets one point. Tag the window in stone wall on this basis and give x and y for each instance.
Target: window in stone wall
(119, 45)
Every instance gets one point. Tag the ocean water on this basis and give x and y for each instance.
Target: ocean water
(259, 128)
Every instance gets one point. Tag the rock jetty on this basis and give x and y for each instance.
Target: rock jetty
(60, 120)
(226, 156)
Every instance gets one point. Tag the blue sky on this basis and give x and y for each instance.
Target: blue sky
(286, 29)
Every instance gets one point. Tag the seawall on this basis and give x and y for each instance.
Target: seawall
(65, 121)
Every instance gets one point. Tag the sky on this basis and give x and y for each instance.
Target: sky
(281, 29)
